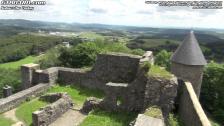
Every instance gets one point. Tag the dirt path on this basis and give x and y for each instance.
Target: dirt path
(70, 118)
(12, 115)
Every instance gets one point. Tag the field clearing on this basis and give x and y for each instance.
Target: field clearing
(91, 35)
(157, 42)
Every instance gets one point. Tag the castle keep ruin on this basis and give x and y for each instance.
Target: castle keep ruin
(127, 84)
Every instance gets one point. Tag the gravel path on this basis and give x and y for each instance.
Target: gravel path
(70, 118)
(12, 115)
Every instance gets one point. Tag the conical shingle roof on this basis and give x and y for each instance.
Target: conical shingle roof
(189, 52)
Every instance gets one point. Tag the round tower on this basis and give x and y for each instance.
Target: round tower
(188, 62)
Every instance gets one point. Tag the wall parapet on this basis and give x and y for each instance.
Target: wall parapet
(15, 100)
(190, 109)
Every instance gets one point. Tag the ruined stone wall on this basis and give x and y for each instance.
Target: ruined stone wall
(116, 67)
(141, 93)
(111, 67)
(50, 113)
(189, 73)
(162, 92)
(49, 75)
(136, 92)
(190, 109)
(16, 99)
(79, 77)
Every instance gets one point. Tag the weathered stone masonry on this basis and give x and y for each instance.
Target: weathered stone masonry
(27, 72)
(61, 103)
(132, 93)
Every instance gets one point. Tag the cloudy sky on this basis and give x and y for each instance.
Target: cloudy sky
(120, 12)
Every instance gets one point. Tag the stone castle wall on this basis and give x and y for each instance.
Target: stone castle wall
(162, 92)
(116, 67)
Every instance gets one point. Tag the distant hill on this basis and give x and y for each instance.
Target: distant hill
(14, 26)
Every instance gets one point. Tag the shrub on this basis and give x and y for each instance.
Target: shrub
(174, 120)
(212, 90)
(138, 52)
(163, 59)
(50, 59)
(83, 54)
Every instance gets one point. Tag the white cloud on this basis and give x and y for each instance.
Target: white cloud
(121, 12)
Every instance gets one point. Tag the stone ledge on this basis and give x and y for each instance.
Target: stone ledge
(144, 120)
(31, 65)
(16, 99)
(121, 54)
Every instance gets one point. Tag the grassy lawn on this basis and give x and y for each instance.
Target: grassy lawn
(157, 71)
(17, 64)
(5, 121)
(24, 111)
(103, 118)
(77, 93)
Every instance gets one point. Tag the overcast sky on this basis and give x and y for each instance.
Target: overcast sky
(120, 12)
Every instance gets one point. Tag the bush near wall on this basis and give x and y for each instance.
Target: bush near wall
(212, 92)
(163, 59)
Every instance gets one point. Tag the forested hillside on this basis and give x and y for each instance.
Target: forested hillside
(19, 46)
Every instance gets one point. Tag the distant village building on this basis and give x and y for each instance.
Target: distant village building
(66, 44)
(188, 62)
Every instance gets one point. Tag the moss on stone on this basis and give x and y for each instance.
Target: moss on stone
(154, 111)
(157, 71)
